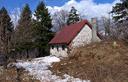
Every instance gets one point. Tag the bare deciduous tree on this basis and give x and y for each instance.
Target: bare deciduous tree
(122, 31)
(59, 20)
(106, 24)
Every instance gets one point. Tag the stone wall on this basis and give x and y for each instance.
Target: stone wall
(58, 51)
(83, 38)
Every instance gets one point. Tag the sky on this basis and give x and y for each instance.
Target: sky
(12, 4)
(86, 8)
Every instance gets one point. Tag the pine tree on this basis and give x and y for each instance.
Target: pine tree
(6, 29)
(120, 11)
(42, 27)
(23, 31)
(73, 16)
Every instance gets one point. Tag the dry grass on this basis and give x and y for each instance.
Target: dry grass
(99, 62)
(11, 75)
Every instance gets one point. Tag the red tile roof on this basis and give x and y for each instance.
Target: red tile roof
(68, 33)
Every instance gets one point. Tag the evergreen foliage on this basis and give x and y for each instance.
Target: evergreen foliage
(6, 29)
(23, 32)
(120, 11)
(42, 29)
(73, 16)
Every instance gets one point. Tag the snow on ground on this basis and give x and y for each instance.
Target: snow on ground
(38, 67)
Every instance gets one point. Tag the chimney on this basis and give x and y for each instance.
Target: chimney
(94, 30)
(94, 23)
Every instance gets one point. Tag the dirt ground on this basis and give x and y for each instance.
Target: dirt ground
(12, 75)
(98, 62)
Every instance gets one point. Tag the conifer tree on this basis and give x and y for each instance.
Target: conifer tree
(73, 16)
(23, 31)
(120, 11)
(6, 29)
(42, 28)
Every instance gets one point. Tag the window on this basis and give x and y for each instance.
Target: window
(57, 48)
(52, 47)
(63, 47)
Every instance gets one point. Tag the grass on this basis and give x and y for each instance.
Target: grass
(99, 62)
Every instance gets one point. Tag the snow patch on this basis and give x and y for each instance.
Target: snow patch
(38, 67)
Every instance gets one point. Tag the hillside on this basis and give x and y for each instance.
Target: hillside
(98, 62)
